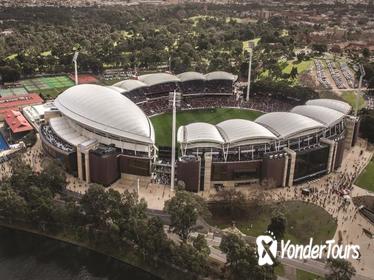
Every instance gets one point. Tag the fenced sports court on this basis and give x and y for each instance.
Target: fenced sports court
(47, 83)
(12, 91)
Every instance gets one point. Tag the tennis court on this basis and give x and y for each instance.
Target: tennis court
(13, 91)
(47, 83)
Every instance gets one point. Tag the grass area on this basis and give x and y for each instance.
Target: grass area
(46, 53)
(303, 275)
(279, 270)
(301, 66)
(284, 33)
(246, 43)
(366, 178)
(350, 97)
(51, 93)
(126, 34)
(302, 221)
(11, 57)
(162, 123)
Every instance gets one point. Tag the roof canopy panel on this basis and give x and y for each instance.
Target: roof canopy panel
(220, 75)
(199, 132)
(105, 110)
(190, 76)
(129, 85)
(337, 105)
(158, 78)
(327, 116)
(238, 130)
(287, 125)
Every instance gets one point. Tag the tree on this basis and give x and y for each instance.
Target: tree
(241, 260)
(366, 52)
(232, 201)
(53, 177)
(12, 206)
(95, 205)
(320, 48)
(201, 245)
(184, 209)
(340, 269)
(278, 225)
(40, 206)
(367, 125)
(294, 72)
(8, 74)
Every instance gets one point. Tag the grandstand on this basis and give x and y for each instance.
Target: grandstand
(278, 147)
(159, 85)
(99, 129)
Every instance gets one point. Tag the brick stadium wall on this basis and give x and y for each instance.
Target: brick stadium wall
(134, 165)
(273, 170)
(104, 168)
(189, 173)
(229, 171)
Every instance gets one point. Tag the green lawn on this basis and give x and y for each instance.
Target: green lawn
(46, 53)
(303, 275)
(301, 66)
(304, 221)
(246, 43)
(51, 93)
(366, 178)
(350, 97)
(279, 270)
(11, 57)
(162, 123)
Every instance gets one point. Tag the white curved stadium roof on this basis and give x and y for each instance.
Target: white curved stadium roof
(190, 76)
(158, 78)
(199, 132)
(129, 85)
(239, 130)
(285, 124)
(337, 105)
(220, 75)
(105, 110)
(327, 116)
(118, 89)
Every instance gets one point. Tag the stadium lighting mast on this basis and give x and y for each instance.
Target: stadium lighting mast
(173, 144)
(362, 70)
(75, 57)
(249, 71)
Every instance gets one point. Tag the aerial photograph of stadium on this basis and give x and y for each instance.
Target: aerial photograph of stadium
(162, 139)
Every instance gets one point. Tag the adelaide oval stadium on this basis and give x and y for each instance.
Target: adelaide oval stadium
(99, 133)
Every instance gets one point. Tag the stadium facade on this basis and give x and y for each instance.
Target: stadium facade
(277, 149)
(99, 133)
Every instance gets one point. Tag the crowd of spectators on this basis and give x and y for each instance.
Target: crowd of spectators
(255, 102)
(161, 174)
(56, 141)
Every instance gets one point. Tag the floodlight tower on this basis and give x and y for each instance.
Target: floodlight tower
(249, 69)
(173, 144)
(75, 57)
(358, 94)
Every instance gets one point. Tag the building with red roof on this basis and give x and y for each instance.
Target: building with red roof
(17, 102)
(17, 123)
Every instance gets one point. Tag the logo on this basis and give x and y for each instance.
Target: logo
(266, 249)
